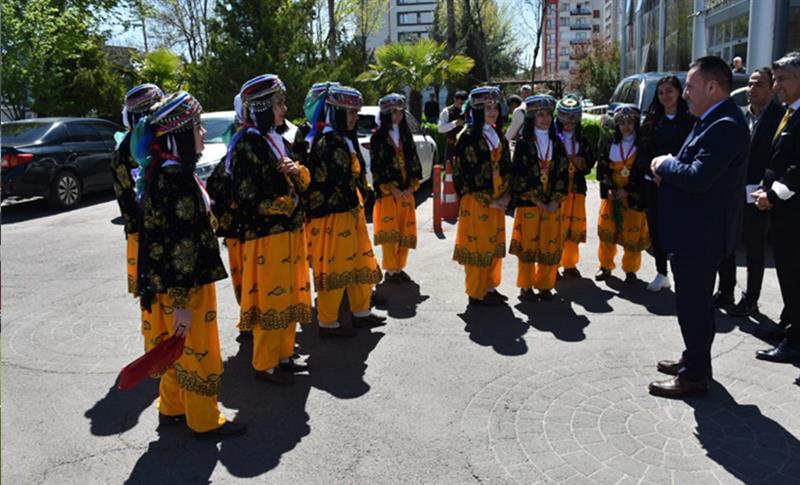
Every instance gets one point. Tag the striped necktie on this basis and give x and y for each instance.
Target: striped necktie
(783, 123)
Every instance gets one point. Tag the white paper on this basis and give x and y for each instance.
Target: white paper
(749, 189)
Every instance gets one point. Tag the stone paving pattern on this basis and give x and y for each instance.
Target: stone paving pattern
(550, 392)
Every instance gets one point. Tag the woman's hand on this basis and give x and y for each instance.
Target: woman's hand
(622, 194)
(611, 195)
(288, 166)
(183, 321)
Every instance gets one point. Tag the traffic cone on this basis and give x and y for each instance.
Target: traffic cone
(437, 199)
(449, 196)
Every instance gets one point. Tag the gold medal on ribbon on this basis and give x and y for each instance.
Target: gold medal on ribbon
(625, 172)
(543, 178)
(572, 168)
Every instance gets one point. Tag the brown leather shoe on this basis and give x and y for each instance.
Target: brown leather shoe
(672, 367)
(677, 387)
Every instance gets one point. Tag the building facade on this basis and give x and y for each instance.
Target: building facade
(405, 20)
(569, 28)
(663, 35)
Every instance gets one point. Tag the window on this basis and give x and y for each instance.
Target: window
(416, 2)
(564, 65)
(82, 132)
(414, 18)
(411, 36)
(106, 130)
(596, 14)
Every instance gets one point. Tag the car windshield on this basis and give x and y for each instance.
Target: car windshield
(215, 128)
(366, 125)
(24, 133)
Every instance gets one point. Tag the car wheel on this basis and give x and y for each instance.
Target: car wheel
(66, 191)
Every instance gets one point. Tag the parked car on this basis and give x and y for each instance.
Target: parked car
(58, 158)
(640, 89)
(739, 96)
(426, 145)
(216, 123)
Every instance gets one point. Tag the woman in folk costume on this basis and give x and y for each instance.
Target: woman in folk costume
(581, 161)
(138, 102)
(340, 250)
(539, 180)
(267, 185)
(481, 174)
(220, 189)
(622, 219)
(396, 173)
(179, 263)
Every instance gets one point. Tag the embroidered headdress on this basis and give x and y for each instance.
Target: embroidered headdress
(569, 109)
(392, 102)
(539, 102)
(627, 112)
(138, 101)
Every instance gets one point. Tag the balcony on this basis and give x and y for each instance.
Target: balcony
(580, 11)
(580, 27)
(580, 41)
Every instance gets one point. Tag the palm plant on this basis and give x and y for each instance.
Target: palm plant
(416, 66)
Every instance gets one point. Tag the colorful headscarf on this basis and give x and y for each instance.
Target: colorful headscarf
(259, 93)
(138, 100)
(392, 102)
(344, 97)
(480, 97)
(314, 105)
(176, 113)
(626, 112)
(569, 109)
(539, 102)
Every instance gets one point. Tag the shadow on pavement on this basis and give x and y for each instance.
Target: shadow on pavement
(28, 209)
(661, 303)
(118, 411)
(557, 317)
(176, 457)
(496, 327)
(747, 444)
(401, 299)
(585, 293)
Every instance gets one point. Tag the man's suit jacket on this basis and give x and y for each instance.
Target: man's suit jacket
(783, 174)
(701, 196)
(761, 141)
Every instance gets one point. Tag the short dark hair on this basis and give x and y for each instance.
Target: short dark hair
(461, 95)
(767, 72)
(713, 68)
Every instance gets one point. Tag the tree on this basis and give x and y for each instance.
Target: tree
(415, 66)
(183, 24)
(599, 71)
(53, 61)
(331, 31)
(532, 15)
(164, 68)
(366, 17)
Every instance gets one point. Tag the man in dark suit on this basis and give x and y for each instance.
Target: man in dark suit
(701, 189)
(779, 196)
(762, 115)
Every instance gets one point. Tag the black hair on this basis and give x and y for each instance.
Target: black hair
(713, 68)
(265, 120)
(766, 71)
(184, 145)
(461, 95)
(386, 124)
(478, 119)
(560, 127)
(618, 134)
(528, 129)
(656, 111)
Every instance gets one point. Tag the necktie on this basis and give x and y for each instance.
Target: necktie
(783, 123)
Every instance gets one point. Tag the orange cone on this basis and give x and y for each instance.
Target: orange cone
(449, 196)
(437, 199)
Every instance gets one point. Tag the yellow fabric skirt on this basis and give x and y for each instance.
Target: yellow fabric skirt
(395, 222)
(632, 234)
(276, 291)
(340, 251)
(480, 245)
(537, 236)
(132, 263)
(573, 217)
(192, 383)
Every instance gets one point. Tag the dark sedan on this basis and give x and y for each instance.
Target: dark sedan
(57, 158)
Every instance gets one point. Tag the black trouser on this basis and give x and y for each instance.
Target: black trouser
(695, 275)
(651, 195)
(756, 225)
(787, 265)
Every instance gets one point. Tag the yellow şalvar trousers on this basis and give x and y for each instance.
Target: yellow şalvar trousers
(191, 385)
(235, 261)
(276, 294)
(632, 234)
(342, 259)
(131, 263)
(536, 241)
(480, 245)
(573, 221)
(395, 229)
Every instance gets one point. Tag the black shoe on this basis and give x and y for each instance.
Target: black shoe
(602, 274)
(678, 387)
(244, 336)
(496, 294)
(227, 430)
(293, 366)
(546, 295)
(785, 352)
(631, 278)
(370, 321)
(488, 300)
(773, 332)
(166, 420)
(404, 276)
(744, 308)
(559, 276)
(336, 332)
(394, 278)
(672, 367)
(527, 295)
(572, 273)
(278, 376)
(723, 300)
